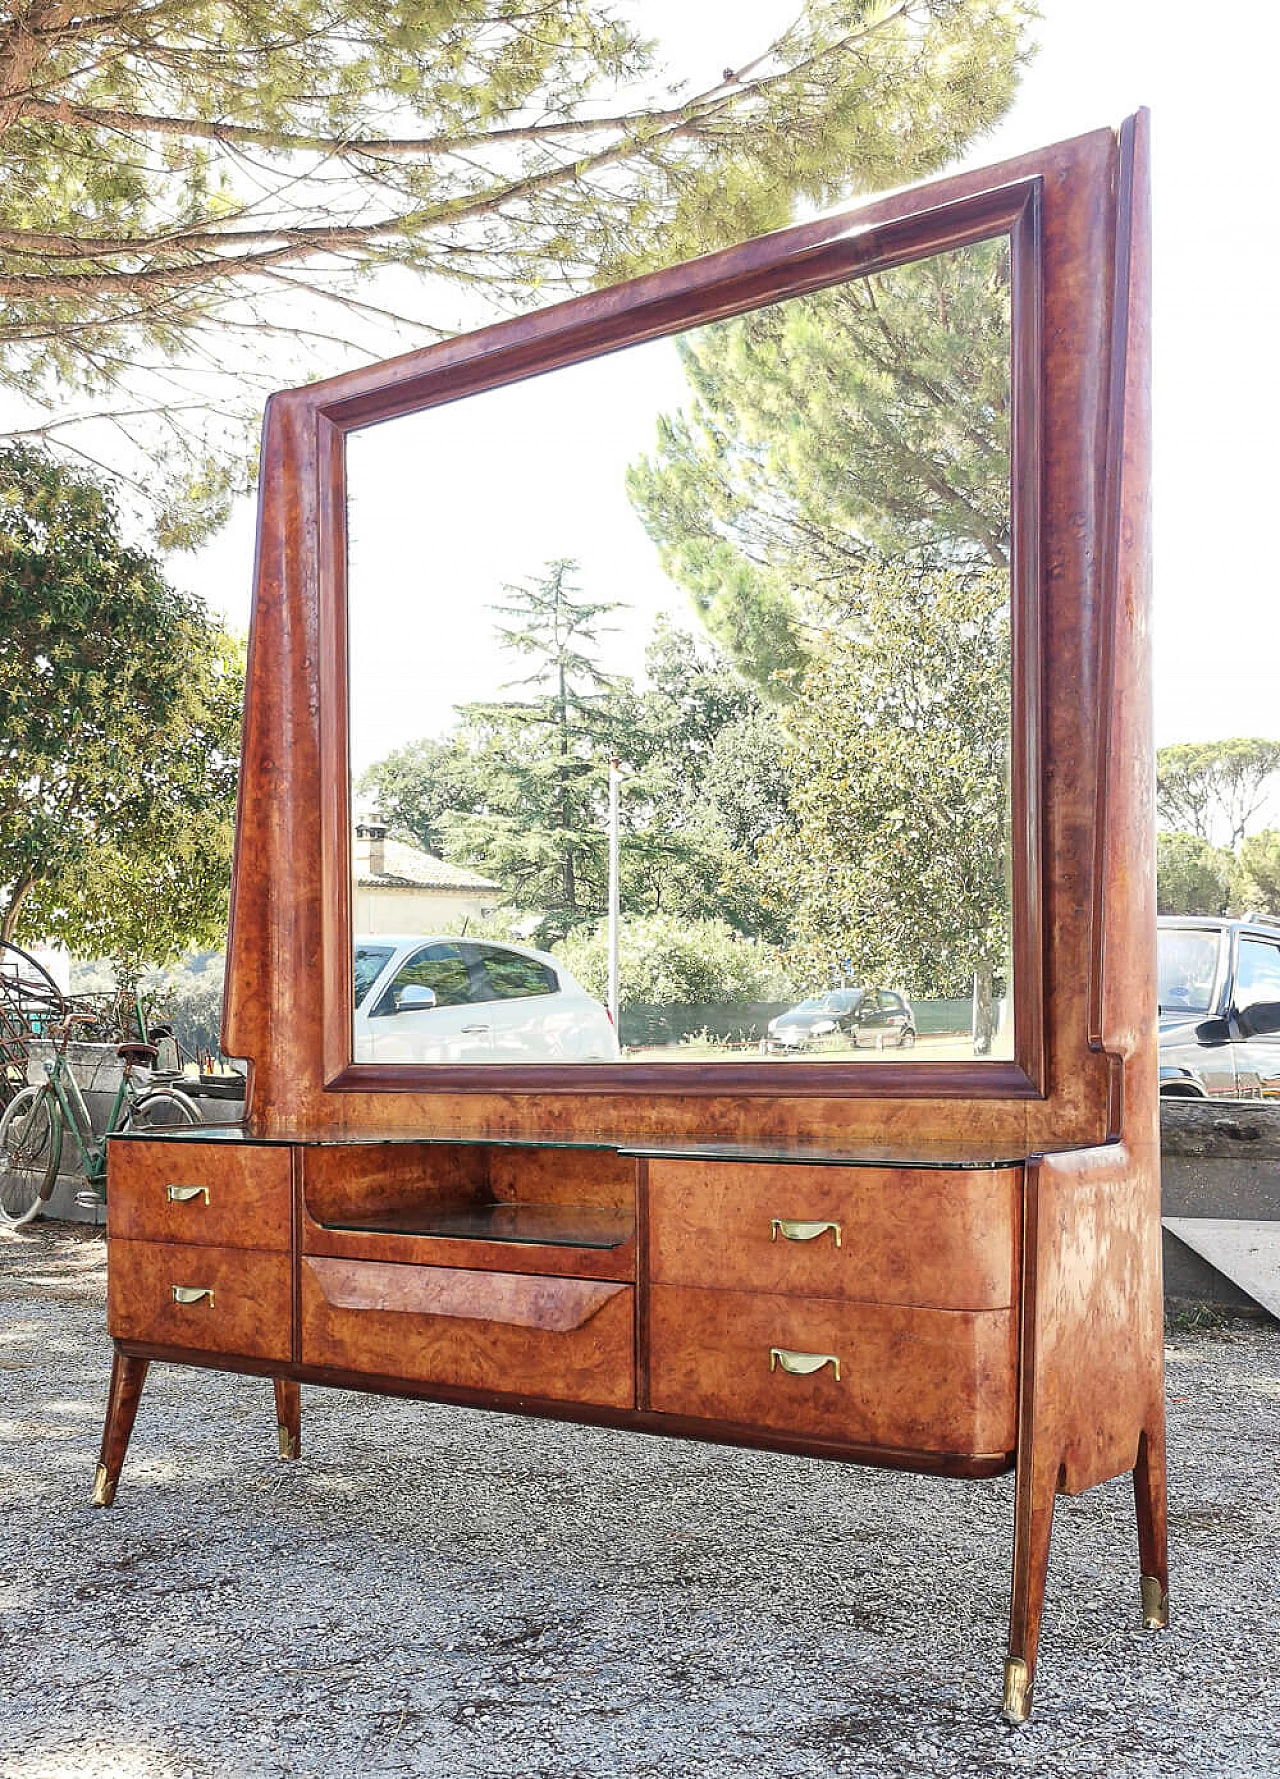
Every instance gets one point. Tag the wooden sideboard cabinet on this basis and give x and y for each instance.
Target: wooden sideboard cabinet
(881, 1308)
(942, 1265)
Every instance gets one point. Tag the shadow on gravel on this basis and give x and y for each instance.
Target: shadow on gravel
(438, 1592)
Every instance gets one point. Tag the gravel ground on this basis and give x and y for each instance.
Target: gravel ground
(434, 1591)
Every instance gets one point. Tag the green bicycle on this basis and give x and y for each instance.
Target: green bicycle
(39, 1116)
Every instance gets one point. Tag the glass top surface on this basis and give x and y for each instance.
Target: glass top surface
(924, 1153)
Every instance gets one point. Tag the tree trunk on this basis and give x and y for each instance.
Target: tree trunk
(13, 908)
(984, 1011)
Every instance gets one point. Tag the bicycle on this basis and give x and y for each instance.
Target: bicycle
(30, 1001)
(38, 1117)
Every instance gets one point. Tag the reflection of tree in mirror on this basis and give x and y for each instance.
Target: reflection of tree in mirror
(666, 958)
(835, 500)
(1258, 873)
(862, 421)
(705, 782)
(417, 785)
(894, 867)
(1192, 875)
(539, 762)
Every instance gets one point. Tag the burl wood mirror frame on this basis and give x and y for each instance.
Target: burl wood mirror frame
(1082, 896)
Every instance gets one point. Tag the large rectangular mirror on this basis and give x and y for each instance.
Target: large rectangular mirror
(681, 694)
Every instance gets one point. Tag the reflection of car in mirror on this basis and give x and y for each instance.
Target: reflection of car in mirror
(862, 1015)
(436, 998)
(1219, 1000)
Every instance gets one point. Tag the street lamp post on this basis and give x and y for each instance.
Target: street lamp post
(615, 779)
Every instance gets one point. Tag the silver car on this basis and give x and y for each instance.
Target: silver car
(438, 998)
(1219, 996)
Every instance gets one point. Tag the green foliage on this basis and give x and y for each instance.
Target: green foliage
(894, 867)
(866, 421)
(1192, 876)
(119, 729)
(1208, 786)
(417, 786)
(835, 499)
(188, 179)
(189, 995)
(704, 783)
(520, 789)
(1258, 873)
(665, 959)
(539, 764)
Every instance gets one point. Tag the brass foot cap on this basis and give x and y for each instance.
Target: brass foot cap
(290, 1447)
(1017, 1691)
(1155, 1604)
(104, 1490)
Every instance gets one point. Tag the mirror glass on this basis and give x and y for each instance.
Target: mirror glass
(680, 694)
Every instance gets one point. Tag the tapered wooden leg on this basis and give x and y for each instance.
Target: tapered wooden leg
(1036, 1488)
(1151, 1499)
(289, 1417)
(127, 1378)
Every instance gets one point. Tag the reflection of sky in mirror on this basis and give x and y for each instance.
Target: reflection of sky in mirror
(447, 506)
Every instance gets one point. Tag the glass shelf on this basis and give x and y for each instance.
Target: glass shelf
(549, 1225)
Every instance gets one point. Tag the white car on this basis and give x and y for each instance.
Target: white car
(435, 998)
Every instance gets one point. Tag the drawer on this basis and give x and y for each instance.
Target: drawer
(919, 1380)
(941, 1238)
(213, 1193)
(247, 1306)
(569, 1340)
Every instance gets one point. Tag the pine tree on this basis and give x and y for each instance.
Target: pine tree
(191, 185)
(540, 762)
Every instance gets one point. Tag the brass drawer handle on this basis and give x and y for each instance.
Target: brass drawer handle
(192, 1294)
(802, 1364)
(792, 1231)
(183, 1195)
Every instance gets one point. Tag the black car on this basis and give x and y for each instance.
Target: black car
(1219, 999)
(866, 1015)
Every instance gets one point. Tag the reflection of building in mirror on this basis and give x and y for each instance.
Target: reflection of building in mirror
(766, 565)
(398, 888)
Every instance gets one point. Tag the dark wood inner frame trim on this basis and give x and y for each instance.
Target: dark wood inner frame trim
(792, 263)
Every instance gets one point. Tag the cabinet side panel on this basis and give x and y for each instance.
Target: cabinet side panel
(1093, 1314)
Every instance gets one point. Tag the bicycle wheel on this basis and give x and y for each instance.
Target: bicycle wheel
(30, 1150)
(162, 1108)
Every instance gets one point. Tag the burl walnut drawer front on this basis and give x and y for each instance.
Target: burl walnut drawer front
(212, 1300)
(569, 1340)
(200, 1192)
(934, 1237)
(859, 1374)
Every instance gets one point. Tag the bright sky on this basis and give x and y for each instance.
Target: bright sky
(449, 507)
(1208, 80)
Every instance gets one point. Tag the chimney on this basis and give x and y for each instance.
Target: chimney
(374, 830)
